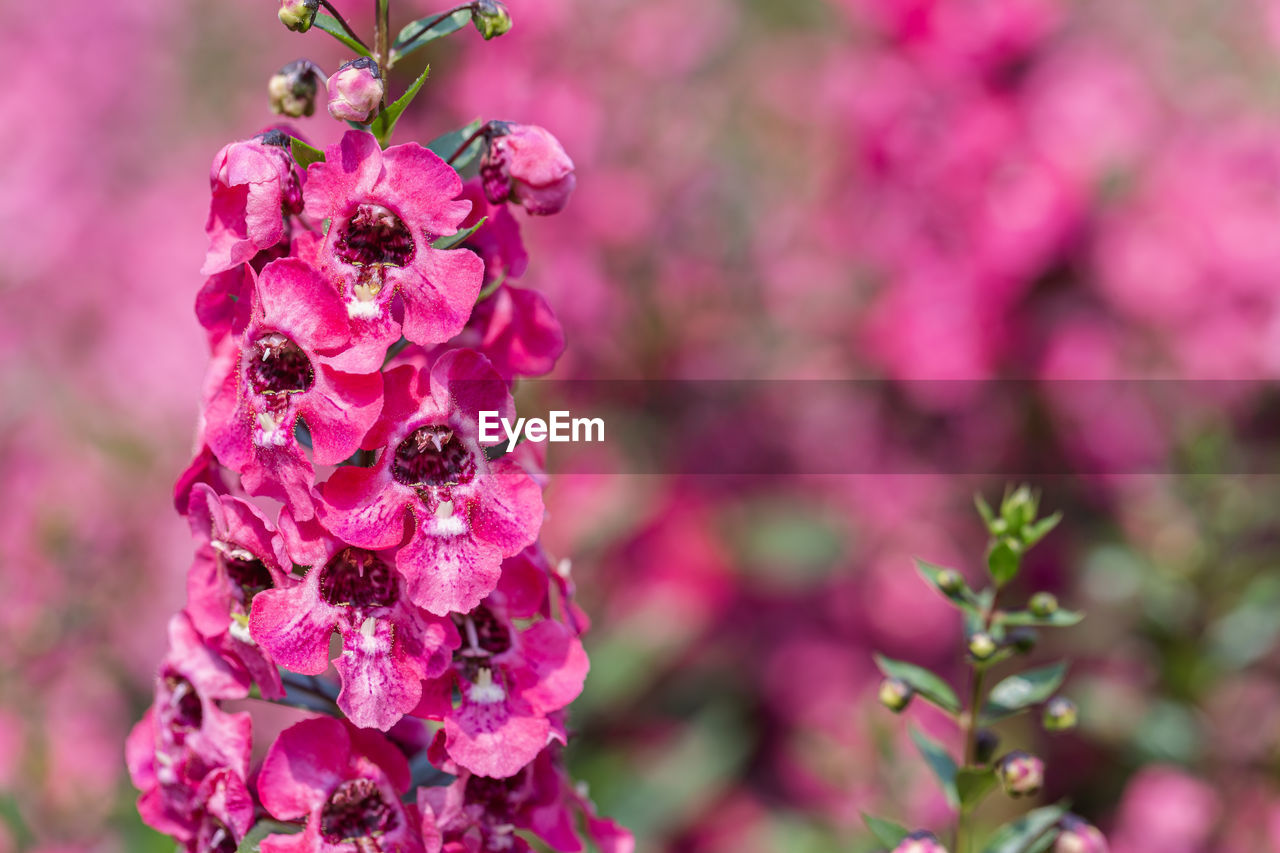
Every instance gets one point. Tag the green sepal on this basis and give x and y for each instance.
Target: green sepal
(940, 762)
(973, 784)
(887, 832)
(385, 123)
(922, 681)
(403, 46)
(1027, 619)
(330, 25)
(303, 154)
(1019, 692)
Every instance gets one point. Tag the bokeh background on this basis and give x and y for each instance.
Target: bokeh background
(1061, 193)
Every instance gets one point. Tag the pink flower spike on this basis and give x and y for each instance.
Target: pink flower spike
(385, 208)
(279, 376)
(346, 783)
(254, 188)
(469, 513)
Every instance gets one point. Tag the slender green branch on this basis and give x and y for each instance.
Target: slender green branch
(382, 34)
(342, 22)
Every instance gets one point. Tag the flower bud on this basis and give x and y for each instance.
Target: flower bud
(1060, 715)
(528, 165)
(982, 646)
(1023, 640)
(298, 15)
(987, 744)
(293, 89)
(1021, 774)
(895, 694)
(491, 18)
(1043, 604)
(356, 90)
(920, 842)
(1077, 836)
(950, 581)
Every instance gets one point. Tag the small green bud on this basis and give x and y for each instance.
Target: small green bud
(950, 581)
(1043, 604)
(298, 15)
(896, 694)
(1023, 640)
(293, 89)
(1060, 715)
(491, 18)
(987, 744)
(982, 645)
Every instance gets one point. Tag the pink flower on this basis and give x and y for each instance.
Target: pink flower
(281, 375)
(497, 241)
(920, 842)
(346, 783)
(185, 736)
(527, 164)
(1166, 810)
(509, 682)
(468, 512)
(356, 90)
(1021, 774)
(385, 209)
(388, 645)
(516, 330)
(479, 813)
(254, 187)
(238, 555)
(1079, 837)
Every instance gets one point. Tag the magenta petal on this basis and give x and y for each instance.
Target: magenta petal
(364, 506)
(295, 299)
(495, 739)
(370, 339)
(385, 754)
(304, 764)
(350, 169)
(380, 684)
(439, 289)
(508, 513)
(339, 410)
(437, 697)
(307, 841)
(559, 662)
(294, 625)
(447, 574)
(468, 379)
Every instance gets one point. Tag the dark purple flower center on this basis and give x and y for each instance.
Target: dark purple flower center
(220, 839)
(497, 796)
(358, 578)
(186, 713)
(491, 635)
(375, 235)
(433, 456)
(356, 810)
(279, 366)
(248, 576)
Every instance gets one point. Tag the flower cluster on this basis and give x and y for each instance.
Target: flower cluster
(994, 635)
(345, 509)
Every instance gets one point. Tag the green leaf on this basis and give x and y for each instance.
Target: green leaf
(962, 598)
(1025, 618)
(385, 124)
(974, 783)
(445, 145)
(459, 238)
(413, 36)
(984, 510)
(261, 830)
(330, 25)
(886, 832)
(1003, 561)
(940, 762)
(1024, 834)
(1019, 692)
(1035, 532)
(303, 154)
(922, 681)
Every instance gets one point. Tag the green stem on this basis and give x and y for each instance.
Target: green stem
(337, 16)
(429, 24)
(382, 34)
(969, 729)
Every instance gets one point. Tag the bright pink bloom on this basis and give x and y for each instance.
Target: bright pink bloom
(281, 375)
(526, 164)
(185, 736)
(388, 645)
(468, 512)
(346, 783)
(356, 90)
(497, 241)
(516, 330)
(510, 681)
(238, 555)
(476, 813)
(531, 586)
(385, 209)
(254, 188)
(1166, 810)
